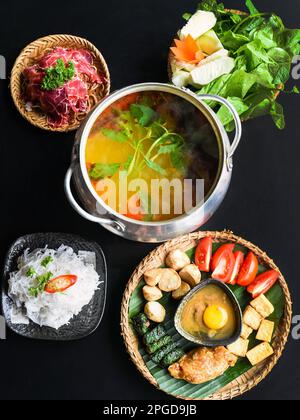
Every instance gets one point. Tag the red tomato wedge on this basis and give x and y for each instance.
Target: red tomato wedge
(263, 283)
(239, 261)
(219, 254)
(223, 271)
(203, 254)
(248, 271)
(60, 284)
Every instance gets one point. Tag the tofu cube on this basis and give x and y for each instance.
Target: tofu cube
(252, 318)
(259, 353)
(246, 332)
(239, 348)
(265, 332)
(263, 306)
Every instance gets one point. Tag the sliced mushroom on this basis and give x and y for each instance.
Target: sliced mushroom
(155, 312)
(169, 280)
(152, 294)
(183, 290)
(177, 260)
(191, 275)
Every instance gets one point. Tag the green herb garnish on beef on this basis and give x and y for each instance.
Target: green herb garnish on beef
(57, 76)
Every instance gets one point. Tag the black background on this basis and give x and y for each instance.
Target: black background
(263, 203)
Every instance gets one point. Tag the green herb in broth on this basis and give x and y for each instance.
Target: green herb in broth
(145, 122)
(129, 163)
(114, 135)
(101, 170)
(144, 114)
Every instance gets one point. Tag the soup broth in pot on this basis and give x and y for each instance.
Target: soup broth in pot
(143, 140)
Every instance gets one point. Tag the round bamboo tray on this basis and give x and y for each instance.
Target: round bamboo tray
(35, 51)
(171, 55)
(156, 259)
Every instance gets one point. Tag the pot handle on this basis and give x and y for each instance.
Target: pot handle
(237, 121)
(114, 223)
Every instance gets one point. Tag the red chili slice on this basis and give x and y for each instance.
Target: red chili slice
(60, 284)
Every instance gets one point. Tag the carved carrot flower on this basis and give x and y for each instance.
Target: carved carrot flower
(188, 50)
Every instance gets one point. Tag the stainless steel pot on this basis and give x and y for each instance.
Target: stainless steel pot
(151, 231)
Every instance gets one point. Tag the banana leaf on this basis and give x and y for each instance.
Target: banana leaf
(181, 388)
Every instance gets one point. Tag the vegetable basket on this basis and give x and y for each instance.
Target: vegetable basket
(171, 55)
(235, 381)
(35, 51)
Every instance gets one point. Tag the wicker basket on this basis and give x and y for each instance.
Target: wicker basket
(31, 54)
(245, 382)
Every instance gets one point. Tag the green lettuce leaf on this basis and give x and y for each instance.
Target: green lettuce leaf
(255, 54)
(289, 39)
(280, 68)
(266, 37)
(252, 9)
(277, 115)
(212, 6)
(239, 84)
(226, 116)
(233, 41)
(263, 76)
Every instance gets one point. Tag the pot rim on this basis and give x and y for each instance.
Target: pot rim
(184, 93)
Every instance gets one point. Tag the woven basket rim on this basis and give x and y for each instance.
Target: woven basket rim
(155, 259)
(37, 118)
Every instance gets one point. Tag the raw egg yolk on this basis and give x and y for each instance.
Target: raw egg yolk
(215, 317)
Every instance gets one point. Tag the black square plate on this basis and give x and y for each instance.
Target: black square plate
(83, 324)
